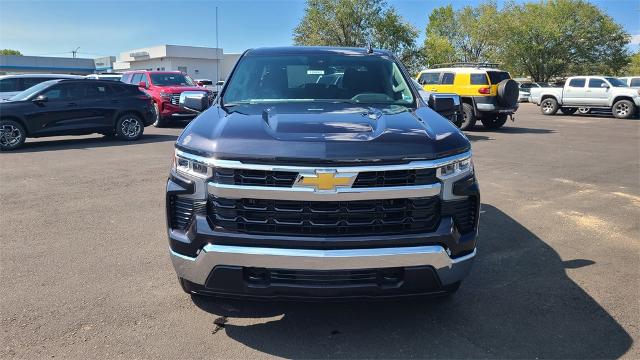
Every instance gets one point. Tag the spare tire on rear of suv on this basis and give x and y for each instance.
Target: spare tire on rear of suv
(508, 93)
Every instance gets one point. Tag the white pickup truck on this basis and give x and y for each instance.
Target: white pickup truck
(595, 92)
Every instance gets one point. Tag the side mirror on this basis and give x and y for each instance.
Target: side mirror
(142, 84)
(40, 99)
(604, 85)
(194, 101)
(444, 103)
(447, 105)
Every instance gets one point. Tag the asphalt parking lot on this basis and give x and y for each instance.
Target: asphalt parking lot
(85, 270)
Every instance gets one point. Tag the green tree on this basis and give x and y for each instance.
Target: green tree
(560, 38)
(468, 34)
(633, 69)
(441, 32)
(10, 52)
(357, 23)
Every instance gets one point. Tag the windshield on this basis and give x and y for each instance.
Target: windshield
(615, 82)
(318, 78)
(497, 76)
(25, 95)
(114, 78)
(168, 79)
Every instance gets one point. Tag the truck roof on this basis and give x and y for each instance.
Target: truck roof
(315, 50)
(455, 70)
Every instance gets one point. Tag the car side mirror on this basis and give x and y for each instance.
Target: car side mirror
(142, 84)
(40, 99)
(603, 85)
(448, 106)
(444, 103)
(194, 101)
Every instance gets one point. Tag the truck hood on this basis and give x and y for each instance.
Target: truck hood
(326, 132)
(179, 89)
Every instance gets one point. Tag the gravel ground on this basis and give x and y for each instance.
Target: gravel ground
(85, 271)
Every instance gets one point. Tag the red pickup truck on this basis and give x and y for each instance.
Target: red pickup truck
(165, 88)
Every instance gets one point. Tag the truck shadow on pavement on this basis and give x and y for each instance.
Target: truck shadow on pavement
(477, 134)
(86, 143)
(517, 303)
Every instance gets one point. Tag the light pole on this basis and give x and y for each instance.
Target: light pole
(74, 52)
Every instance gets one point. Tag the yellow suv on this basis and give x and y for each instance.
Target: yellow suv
(487, 93)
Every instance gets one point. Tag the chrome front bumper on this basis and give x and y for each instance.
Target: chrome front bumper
(197, 269)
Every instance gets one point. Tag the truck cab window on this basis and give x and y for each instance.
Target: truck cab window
(577, 82)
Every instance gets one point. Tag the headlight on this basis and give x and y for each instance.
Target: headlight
(183, 164)
(464, 166)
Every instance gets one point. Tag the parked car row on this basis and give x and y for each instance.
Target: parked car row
(586, 93)
(75, 106)
(36, 105)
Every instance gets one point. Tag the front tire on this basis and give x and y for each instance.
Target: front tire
(494, 122)
(568, 110)
(623, 109)
(12, 135)
(129, 127)
(185, 286)
(468, 117)
(159, 121)
(549, 106)
(451, 289)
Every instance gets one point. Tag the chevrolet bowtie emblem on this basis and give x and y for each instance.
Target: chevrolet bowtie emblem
(325, 180)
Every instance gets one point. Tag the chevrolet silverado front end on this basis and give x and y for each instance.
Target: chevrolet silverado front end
(291, 187)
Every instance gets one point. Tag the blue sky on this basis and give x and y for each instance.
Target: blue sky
(99, 28)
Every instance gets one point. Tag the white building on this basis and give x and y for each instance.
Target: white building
(197, 62)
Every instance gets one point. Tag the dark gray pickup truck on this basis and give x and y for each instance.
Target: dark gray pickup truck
(321, 173)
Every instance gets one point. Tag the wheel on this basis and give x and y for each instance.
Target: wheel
(12, 135)
(549, 106)
(568, 110)
(623, 109)
(584, 110)
(452, 288)
(159, 121)
(184, 284)
(129, 127)
(468, 117)
(494, 122)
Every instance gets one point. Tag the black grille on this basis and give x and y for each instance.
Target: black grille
(364, 179)
(463, 212)
(175, 99)
(325, 218)
(182, 210)
(254, 177)
(323, 278)
(395, 178)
